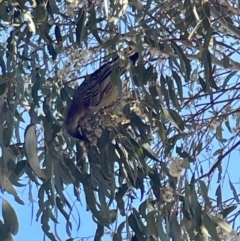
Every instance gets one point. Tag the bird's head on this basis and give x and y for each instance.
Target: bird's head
(75, 115)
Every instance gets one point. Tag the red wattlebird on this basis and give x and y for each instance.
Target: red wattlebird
(96, 91)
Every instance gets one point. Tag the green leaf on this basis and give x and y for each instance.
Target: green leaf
(36, 88)
(219, 196)
(3, 230)
(202, 83)
(138, 220)
(99, 233)
(184, 61)
(207, 40)
(119, 198)
(148, 74)
(208, 73)
(143, 208)
(138, 78)
(195, 206)
(139, 44)
(172, 93)
(91, 202)
(175, 230)
(150, 153)
(226, 211)
(161, 131)
(46, 227)
(206, 11)
(219, 173)
(111, 42)
(58, 35)
(113, 215)
(227, 124)
(65, 95)
(115, 78)
(185, 164)
(226, 61)
(60, 207)
(81, 24)
(198, 148)
(154, 176)
(228, 78)
(63, 171)
(204, 191)
(31, 150)
(8, 237)
(117, 237)
(120, 228)
(178, 83)
(134, 225)
(110, 155)
(103, 205)
(19, 116)
(3, 13)
(9, 217)
(235, 194)
(165, 93)
(218, 152)
(219, 130)
(40, 14)
(19, 170)
(3, 88)
(92, 25)
(53, 6)
(177, 119)
(52, 51)
(2, 65)
(151, 223)
(210, 226)
(161, 233)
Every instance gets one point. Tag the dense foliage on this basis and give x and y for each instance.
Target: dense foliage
(165, 141)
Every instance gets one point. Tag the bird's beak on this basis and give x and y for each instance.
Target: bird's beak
(73, 120)
(77, 132)
(80, 131)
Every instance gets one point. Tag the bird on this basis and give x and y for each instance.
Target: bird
(95, 92)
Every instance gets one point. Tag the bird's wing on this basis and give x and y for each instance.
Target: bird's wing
(96, 89)
(93, 87)
(95, 92)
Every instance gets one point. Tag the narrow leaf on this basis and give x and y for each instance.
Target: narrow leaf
(31, 150)
(210, 226)
(177, 119)
(80, 25)
(235, 194)
(10, 217)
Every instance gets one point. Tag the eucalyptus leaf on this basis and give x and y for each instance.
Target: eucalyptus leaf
(31, 150)
(9, 217)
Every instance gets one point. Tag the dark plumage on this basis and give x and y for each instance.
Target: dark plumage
(95, 92)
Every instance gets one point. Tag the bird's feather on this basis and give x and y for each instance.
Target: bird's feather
(96, 91)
